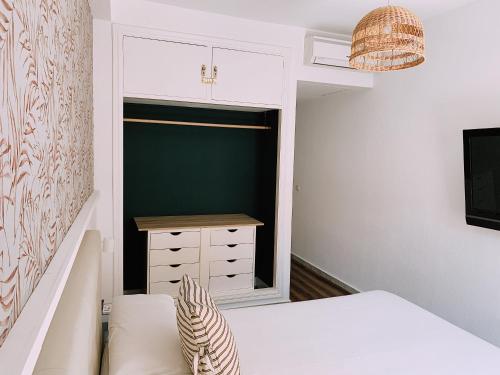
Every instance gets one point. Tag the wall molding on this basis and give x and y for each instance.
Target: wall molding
(318, 271)
(19, 352)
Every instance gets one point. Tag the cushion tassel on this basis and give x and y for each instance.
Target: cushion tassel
(200, 356)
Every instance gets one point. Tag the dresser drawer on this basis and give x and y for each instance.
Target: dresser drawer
(171, 240)
(225, 252)
(231, 282)
(166, 287)
(235, 235)
(169, 273)
(178, 255)
(231, 267)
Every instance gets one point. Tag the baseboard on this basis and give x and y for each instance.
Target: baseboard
(318, 271)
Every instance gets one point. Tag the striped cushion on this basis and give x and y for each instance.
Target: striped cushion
(207, 342)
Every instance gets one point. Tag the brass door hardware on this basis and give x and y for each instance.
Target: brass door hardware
(209, 80)
(203, 73)
(215, 70)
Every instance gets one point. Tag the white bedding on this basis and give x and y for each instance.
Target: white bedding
(370, 333)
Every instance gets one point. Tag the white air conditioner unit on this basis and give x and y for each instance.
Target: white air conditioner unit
(327, 51)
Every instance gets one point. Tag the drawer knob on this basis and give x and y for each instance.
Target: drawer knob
(231, 260)
(175, 249)
(174, 265)
(175, 233)
(232, 245)
(174, 281)
(232, 230)
(230, 276)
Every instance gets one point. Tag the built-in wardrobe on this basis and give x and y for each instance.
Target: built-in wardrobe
(202, 144)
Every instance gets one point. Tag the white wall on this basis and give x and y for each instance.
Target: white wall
(101, 9)
(103, 152)
(159, 16)
(381, 204)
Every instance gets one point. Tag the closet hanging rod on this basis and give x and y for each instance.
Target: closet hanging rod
(186, 123)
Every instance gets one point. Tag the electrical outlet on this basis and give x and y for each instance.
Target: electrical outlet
(106, 308)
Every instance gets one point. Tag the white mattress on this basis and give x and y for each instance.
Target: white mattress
(370, 333)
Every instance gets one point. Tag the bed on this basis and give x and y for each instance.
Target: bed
(367, 333)
(370, 333)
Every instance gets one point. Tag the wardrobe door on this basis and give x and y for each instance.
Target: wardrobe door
(248, 77)
(158, 68)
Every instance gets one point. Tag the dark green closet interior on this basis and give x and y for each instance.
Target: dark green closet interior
(188, 170)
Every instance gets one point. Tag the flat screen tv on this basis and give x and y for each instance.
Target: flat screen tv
(482, 177)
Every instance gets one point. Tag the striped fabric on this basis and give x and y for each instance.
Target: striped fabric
(207, 342)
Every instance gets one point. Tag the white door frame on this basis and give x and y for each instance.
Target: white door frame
(281, 289)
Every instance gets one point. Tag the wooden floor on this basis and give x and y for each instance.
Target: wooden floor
(306, 285)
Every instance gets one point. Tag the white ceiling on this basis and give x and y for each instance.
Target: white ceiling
(338, 16)
(312, 90)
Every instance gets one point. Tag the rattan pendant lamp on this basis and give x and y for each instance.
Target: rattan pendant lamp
(387, 38)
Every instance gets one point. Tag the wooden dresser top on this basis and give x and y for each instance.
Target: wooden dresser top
(194, 221)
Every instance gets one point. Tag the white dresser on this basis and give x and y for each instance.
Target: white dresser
(216, 250)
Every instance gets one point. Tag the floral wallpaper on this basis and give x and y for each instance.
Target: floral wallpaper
(46, 135)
